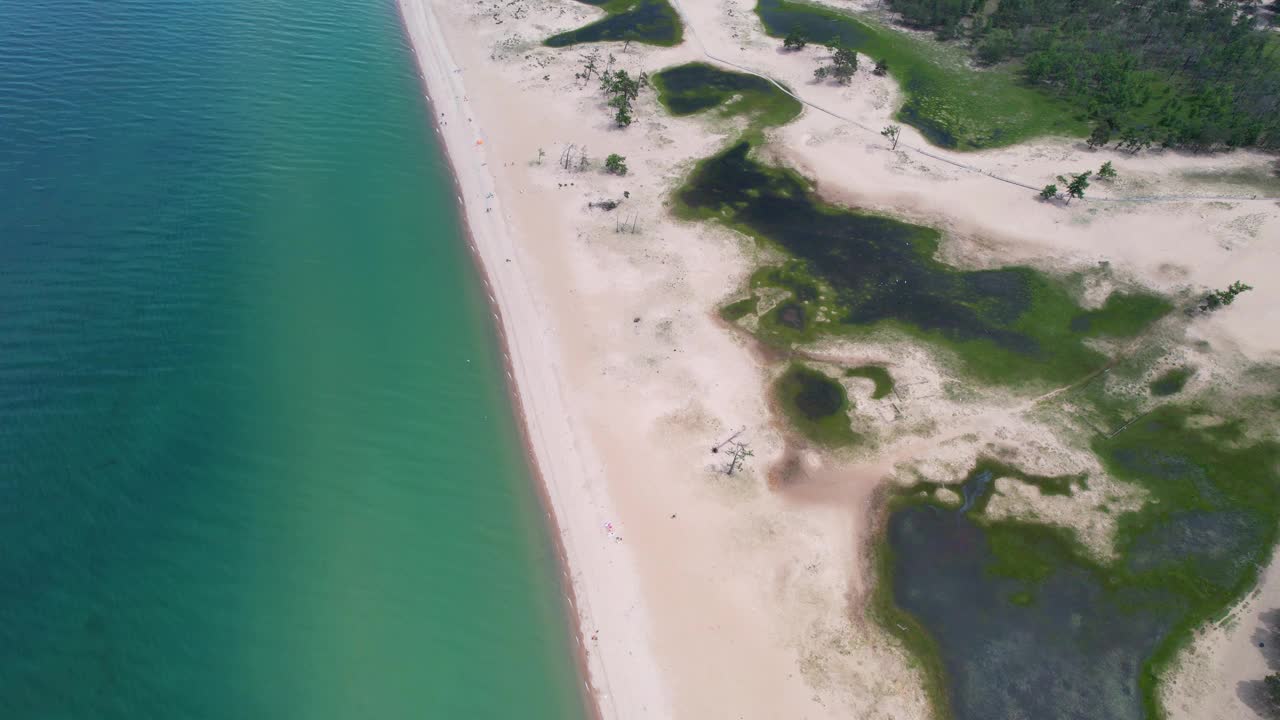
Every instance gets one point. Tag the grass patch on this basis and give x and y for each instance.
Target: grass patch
(816, 405)
(653, 22)
(1011, 325)
(952, 104)
(876, 374)
(1122, 315)
(699, 87)
(735, 311)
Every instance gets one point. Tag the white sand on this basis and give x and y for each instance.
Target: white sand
(724, 597)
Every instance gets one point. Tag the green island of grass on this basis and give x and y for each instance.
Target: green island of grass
(816, 405)
(653, 22)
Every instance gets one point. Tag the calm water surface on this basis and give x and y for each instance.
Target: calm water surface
(256, 459)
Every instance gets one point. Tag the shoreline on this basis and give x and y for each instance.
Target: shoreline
(431, 53)
(569, 604)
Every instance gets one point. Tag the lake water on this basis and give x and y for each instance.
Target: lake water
(256, 455)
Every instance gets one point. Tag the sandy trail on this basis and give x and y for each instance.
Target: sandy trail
(699, 595)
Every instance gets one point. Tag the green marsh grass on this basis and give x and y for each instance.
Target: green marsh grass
(877, 374)
(951, 103)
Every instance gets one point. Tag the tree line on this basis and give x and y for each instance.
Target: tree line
(1201, 75)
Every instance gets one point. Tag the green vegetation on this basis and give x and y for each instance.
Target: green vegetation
(876, 374)
(843, 66)
(1122, 315)
(696, 87)
(952, 104)
(622, 90)
(653, 22)
(892, 132)
(1222, 298)
(795, 40)
(1186, 555)
(1171, 382)
(854, 272)
(735, 311)
(615, 164)
(1168, 72)
(1049, 192)
(1107, 171)
(816, 405)
(1076, 184)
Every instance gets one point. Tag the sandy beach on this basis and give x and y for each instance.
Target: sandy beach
(700, 595)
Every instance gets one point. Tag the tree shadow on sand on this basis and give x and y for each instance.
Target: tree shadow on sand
(1255, 693)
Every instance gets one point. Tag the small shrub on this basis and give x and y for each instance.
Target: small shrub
(615, 164)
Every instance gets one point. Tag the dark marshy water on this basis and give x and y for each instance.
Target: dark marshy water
(1024, 623)
(1006, 324)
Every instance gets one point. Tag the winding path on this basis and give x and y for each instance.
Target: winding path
(693, 31)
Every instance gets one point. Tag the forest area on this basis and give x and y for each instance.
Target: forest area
(1168, 73)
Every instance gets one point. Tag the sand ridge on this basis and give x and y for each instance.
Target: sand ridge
(700, 595)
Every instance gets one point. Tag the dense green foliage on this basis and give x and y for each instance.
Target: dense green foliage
(816, 405)
(1170, 72)
(843, 66)
(615, 164)
(1221, 298)
(622, 90)
(795, 40)
(952, 104)
(653, 22)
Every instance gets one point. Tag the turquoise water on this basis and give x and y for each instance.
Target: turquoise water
(256, 459)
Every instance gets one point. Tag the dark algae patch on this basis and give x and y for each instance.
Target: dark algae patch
(878, 375)
(697, 87)
(816, 405)
(1007, 325)
(1015, 619)
(1171, 382)
(952, 104)
(653, 22)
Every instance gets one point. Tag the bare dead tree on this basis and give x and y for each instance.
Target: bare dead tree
(738, 454)
(590, 66)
